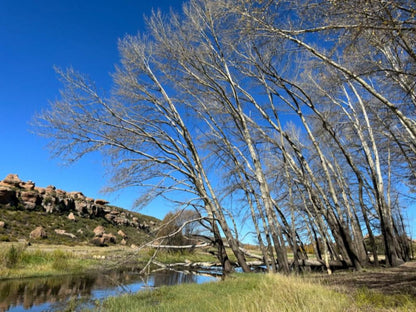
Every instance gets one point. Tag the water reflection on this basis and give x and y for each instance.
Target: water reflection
(53, 294)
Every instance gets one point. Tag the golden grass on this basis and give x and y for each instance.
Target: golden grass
(242, 292)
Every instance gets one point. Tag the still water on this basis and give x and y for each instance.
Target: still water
(55, 293)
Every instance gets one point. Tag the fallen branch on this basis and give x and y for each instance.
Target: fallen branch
(179, 247)
(193, 265)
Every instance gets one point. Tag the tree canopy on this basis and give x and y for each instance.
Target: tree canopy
(296, 117)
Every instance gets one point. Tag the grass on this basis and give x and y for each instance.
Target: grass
(242, 292)
(367, 299)
(18, 261)
(259, 292)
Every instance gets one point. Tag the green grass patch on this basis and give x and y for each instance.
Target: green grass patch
(368, 299)
(16, 262)
(180, 257)
(242, 292)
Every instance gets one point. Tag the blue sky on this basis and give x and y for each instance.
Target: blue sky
(34, 37)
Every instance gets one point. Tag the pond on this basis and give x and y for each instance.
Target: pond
(55, 293)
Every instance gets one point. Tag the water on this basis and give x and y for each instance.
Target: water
(55, 293)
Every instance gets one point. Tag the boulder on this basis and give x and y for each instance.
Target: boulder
(76, 195)
(109, 238)
(60, 193)
(99, 231)
(50, 189)
(71, 217)
(80, 206)
(101, 202)
(40, 190)
(63, 232)
(122, 234)
(104, 240)
(30, 199)
(98, 241)
(121, 221)
(2, 224)
(29, 185)
(39, 232)
(123, 242)
(13, 180)
(109, 217)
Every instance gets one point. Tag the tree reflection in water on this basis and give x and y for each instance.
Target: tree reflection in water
(172, 278)
(54, 293)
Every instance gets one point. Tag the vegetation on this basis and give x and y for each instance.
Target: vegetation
(20, 222)
(258, 292)
(171, 231)
(305, 128)
(18, 261)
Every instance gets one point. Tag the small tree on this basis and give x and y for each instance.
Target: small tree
(178, 229)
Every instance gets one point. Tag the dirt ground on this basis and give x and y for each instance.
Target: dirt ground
(398, 280)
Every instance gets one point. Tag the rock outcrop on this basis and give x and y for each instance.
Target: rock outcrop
(26, 195)
(101, 238)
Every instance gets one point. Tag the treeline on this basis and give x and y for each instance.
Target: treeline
(295, 117)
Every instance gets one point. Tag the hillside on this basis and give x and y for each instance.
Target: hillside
(54, 216)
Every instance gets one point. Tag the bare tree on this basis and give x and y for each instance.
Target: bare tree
(300, 108)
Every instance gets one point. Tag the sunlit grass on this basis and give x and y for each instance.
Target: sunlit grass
(258, 292)
(248, 292)
(18, 261)
(367, 299)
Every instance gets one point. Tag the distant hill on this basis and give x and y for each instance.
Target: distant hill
(54, 216)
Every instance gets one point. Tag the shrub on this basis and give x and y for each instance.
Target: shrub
(13, 256)
(4, 238)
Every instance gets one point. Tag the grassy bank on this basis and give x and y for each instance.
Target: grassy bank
(257, 292)
(16, 261)
(19, 260)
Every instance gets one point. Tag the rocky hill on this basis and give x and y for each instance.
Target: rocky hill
(28, 212)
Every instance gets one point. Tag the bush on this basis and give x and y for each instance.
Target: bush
(4, 238)
(13, 256)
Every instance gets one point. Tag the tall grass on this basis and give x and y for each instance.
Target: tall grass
(246, 292)
(17, 261)
(12, 256)
(257, 292)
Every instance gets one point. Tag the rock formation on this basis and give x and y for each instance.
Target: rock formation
(39, 232)
(16, 194)
(26, 196)
(101, 238)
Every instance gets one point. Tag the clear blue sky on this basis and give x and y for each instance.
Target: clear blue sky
(34, 37)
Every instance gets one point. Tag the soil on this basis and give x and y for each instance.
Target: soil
(398, 280)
